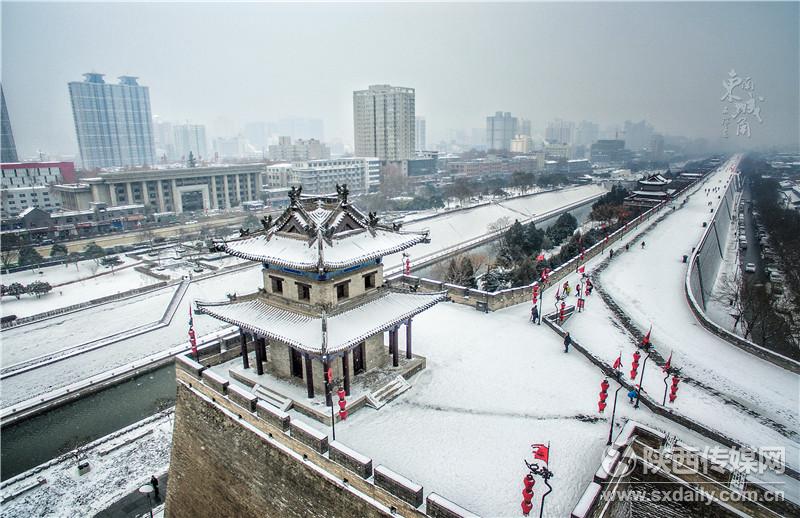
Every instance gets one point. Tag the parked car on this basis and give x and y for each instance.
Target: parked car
(742, 244)
(750, 268)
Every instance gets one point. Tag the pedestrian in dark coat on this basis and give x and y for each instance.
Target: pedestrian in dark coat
(567, 342)
(154, 483)
(534, 314)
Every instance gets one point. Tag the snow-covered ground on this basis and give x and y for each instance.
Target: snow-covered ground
(117, 469)
(65, 332)
(46, 336)
(61, 274)
(85, 284)
(494, 384)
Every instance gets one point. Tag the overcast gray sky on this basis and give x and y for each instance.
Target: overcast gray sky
(606, 62)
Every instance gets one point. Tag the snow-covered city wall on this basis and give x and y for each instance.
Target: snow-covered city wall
(709, 255)
(492, 301)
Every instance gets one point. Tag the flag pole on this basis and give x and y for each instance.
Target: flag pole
(546, 476)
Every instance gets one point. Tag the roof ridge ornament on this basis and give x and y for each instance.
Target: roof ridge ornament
(294, 195)
(266, 222)
(342, 192)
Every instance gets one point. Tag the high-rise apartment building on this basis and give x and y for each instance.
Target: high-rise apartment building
(420, 135)
(384, 122)
(500, 129)
(113, 122)
(7, 145)
(321, 176)
(524, 127)
(286, 150)
(586, 133)
(560, 132)
(190, 138)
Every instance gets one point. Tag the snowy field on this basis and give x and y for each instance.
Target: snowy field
(46, 336)
(450, 229)
(125, 351)
(82, 285)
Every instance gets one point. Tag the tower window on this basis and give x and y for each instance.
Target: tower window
(277, 284)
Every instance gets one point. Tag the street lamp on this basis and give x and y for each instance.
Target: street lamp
(146, 490)
(328, 394)
(647, 347)
(618, 378)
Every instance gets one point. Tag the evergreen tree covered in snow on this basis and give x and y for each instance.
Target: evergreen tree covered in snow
(38, 288)
(28, 255)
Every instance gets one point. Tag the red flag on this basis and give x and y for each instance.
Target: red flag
(192, 338)
(618, 362)
(541, 452)
(540, 257)
(668, 365)
(646, 339)
(582, 268)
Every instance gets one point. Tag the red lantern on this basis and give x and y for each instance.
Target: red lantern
(529, 482)
(673, 393)
(526, 508)
(601, 405)
(561, 311)
(527, 494)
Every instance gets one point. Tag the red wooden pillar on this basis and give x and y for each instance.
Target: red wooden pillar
(243, 340)
(408, 339)
(346, 371)
(309, 376)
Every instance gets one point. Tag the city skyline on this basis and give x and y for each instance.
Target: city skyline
(641, 71)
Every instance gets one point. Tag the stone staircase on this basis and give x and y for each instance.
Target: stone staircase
(273, 398)
(388, 392)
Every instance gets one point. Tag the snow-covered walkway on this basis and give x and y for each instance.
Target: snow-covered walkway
(760, 409)
(648, 284)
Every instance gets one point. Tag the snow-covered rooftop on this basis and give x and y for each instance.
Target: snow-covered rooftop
(322, 233)
(305, 332)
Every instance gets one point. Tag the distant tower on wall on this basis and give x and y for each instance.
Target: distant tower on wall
(384, 122)
(9, 149)
(113, 123)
